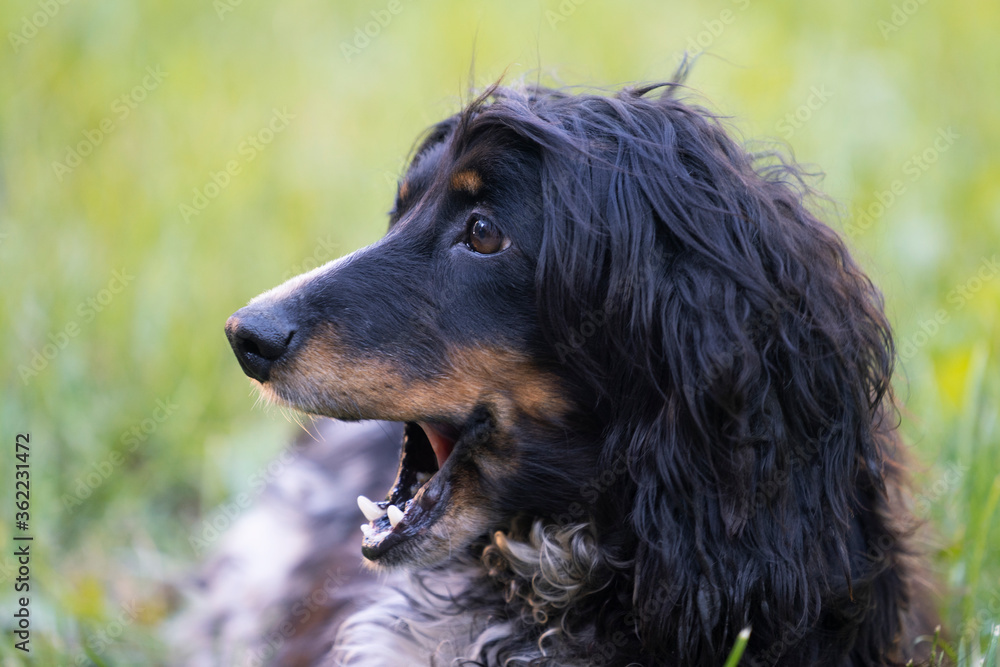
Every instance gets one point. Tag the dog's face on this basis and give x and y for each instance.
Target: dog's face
(435, 326)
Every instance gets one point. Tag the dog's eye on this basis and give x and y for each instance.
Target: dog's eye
(485, 237)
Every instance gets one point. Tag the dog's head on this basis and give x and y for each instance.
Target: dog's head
(437, 326)
(597, 306)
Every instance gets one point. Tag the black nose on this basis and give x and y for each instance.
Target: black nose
(259, 336)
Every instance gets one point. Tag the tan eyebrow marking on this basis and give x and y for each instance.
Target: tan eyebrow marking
(404, 190)
(466, 180)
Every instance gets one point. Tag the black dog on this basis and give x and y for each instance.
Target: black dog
(646, 395)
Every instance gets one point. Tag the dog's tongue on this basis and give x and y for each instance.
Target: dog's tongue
(441, 441)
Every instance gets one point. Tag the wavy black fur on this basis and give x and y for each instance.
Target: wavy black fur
(736, 362)
(668, 384)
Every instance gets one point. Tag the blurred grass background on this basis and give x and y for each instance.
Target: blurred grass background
(861, 89)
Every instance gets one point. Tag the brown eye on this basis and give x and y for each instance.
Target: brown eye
(485, 237)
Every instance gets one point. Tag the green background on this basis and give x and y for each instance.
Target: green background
(861, 89)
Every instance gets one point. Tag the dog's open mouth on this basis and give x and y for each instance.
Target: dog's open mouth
(420, 493)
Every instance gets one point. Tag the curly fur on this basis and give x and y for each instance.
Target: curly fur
(450, 614)
(742, 367)
(729, 458)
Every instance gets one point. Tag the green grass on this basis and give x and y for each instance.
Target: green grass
(320, 189)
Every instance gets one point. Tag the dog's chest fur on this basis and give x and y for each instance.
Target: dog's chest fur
(515, 606)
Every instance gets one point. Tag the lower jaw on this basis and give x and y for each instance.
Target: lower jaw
(404, 543)
(403, 521)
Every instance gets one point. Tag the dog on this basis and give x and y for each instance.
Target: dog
(642, 393)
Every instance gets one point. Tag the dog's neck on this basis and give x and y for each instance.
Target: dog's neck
(537, 576)
(549, 568)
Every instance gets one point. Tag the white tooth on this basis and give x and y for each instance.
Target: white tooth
(422, 477)
(366, 530)
(395, 515)
(369, 509)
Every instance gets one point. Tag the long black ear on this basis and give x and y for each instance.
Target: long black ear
(739, 354)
